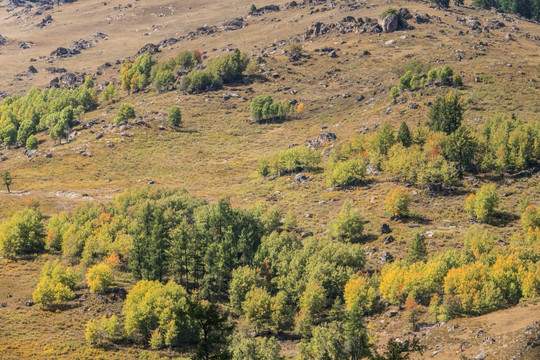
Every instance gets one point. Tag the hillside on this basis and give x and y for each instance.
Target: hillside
(342, 76)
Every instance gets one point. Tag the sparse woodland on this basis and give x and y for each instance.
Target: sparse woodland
(422, 219)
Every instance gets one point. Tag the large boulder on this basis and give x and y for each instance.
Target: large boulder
(390, 23)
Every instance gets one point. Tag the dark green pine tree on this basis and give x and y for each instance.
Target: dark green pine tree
(417, 249)
(158, 245)
(404, 135)
(141, 232)
(446, 113)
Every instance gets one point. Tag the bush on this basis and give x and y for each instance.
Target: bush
(23, 233)
(394, 93)
(163, 79)
(384, 139)
(483, 204)
(200, 81)
(174, 117)
(100, 278)
(347, 173)
(260, 348)
(348, 225)
(125, 113)
(397, 202)
(32, 142)
(478, 241)
(156, 313)
(56, 284)
(263, 108)
(292, 160)
(103, 330)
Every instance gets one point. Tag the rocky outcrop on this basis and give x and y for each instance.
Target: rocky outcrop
(389, 23)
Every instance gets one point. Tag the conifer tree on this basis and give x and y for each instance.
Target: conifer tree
(417, 249)
(404, 135)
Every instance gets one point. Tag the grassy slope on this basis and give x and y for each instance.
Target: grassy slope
(216, 153)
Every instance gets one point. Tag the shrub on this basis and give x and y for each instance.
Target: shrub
(156, 313)
(125, 113)
(384, 139)
(405, 80)
(229, 67)
(56, 284)
(32, 142)
(432, 75)
(260, 348)
(445, 74)
(483, 204)
(397, 202)
(347, 173)
(100, 278)
(200, 81)
(163, 79)
(263, 108)
(23, 233)
(294, 159)
(103, 330)
(252, 8)
(348, 225)
(174, 117)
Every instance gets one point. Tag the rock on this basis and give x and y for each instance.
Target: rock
(359, 98)
(150, 48)
(300, 178)
(388, 240)
(386, 257)
(48, 155)
(151, 182)
(413, 105)
(304, 235)
(308, 216)
(332, 54)
(413, 225)
(26, 44)
(392, 313)
(29, 303)
(234, 24)
(9, 296)
(3, 304)
(510, 37)
(86, 309)
(264, 10)
(405, 14)
(110, 144)
(385, 229)
(421, 18)
(327, 136)
(32, 70)
(3, 40)
(480, 356)
(389, 23)
(4, 158)
(99, 136)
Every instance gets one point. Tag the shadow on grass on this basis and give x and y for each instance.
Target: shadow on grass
(502, 219)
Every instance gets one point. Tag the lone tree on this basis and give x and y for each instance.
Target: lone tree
(404, 135)
(417, 249)
(7, 180)
(174, 118)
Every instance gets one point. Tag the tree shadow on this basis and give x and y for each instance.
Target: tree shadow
(503, 218)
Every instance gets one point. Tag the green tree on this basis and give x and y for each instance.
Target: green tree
(446, 113)
(461, 147)
(26, 129)
(174, 118)
(125, 113)
(394, 94)
(243, 280)
(99, 331)
(417, 249)
(347, 173)
(32, 143)
(261, 348)
(7, 180)
(252, 8)
(483, 205)
(384, 139)
(257, 308)
(23, 233)
(404, 135)
(397, 202)
(213, 327)
(348, 225)
(109, 93)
